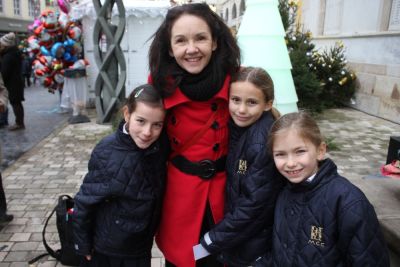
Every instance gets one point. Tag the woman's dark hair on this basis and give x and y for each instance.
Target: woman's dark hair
(145, 93)
(162, 65)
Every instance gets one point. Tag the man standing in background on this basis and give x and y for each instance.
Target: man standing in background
(11, 70)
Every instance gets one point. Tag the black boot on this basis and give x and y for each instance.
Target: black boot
(4, 217)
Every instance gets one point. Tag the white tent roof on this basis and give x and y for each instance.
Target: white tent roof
(137, 8)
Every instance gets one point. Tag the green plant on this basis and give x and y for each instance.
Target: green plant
(308, 87)
(322, 79)
(331, 145)
(338, 82)
(286, 9)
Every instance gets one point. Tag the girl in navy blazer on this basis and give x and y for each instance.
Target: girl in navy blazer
(117, 209)
(321, 219)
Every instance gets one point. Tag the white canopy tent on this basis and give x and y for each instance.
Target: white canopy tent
(142, 20)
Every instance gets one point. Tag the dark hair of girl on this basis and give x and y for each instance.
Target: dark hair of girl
(301, 122)
(162, 66)
(145, 93)
(259, 78)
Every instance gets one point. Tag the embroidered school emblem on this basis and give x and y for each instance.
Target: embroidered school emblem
(316, 236)
(242, 168)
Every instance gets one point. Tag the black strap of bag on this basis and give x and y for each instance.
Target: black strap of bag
(55, 254)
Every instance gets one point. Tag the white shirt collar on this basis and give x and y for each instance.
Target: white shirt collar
(309, 179)
(124, 129)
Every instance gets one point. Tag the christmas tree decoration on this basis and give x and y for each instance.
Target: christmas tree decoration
(261, 37)
(321, 78)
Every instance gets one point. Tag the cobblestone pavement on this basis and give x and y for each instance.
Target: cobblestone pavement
(58, 163)
(42, 117)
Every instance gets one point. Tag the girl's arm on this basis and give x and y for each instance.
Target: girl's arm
(254, 209)
(360, 237)
(94, 190)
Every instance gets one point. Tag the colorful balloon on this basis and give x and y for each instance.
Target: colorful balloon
(55, 43)
(57, 50)
(64, 6)
(33, 44)
(59, 77)
(80, 64)
(49, 19)
(57, 64)
(74, 33)
(63, 20)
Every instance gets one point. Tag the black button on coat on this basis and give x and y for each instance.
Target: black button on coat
(253, 185)
(118, 206)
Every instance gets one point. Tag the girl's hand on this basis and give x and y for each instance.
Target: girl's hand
(88, 257)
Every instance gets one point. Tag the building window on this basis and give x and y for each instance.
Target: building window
(221, 15)
(36, 8)
(226, 15)
(17, 7)
(1, 6)
(242, 8)
(31, 8)
(234, 11)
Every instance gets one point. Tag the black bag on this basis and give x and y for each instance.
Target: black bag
(66, 254)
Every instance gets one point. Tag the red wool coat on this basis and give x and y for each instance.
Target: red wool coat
(186, 195)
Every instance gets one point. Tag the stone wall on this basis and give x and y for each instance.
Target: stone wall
(370, 31)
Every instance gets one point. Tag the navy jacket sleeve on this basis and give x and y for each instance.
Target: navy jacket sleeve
(254, 209)
(97, 186)
(360, 236)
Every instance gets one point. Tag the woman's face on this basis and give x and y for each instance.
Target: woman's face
(191, 43)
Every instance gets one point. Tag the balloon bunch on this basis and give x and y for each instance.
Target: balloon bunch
(55, 45)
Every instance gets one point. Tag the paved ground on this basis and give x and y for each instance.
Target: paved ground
(57, 164)
(42, 117)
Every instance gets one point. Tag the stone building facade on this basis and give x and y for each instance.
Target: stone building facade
(370, 31)
(16, 15)
(231, 11)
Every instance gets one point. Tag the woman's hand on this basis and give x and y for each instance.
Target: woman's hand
(88, 257)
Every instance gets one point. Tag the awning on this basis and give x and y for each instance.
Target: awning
(14, 25)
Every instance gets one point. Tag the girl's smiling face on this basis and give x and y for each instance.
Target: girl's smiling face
(191, 43)
(246, 103)
(144, 124)
(295, 157)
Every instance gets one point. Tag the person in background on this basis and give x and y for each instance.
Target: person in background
(4, 113)
(253, 182)
(4, 217)
(26, 69)
(117, 208)
(191, 59)
(321, 219)
(11, 69)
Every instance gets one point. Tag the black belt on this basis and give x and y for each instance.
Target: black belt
(205, 169)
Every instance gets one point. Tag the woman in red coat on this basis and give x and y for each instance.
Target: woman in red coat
(191, 59)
